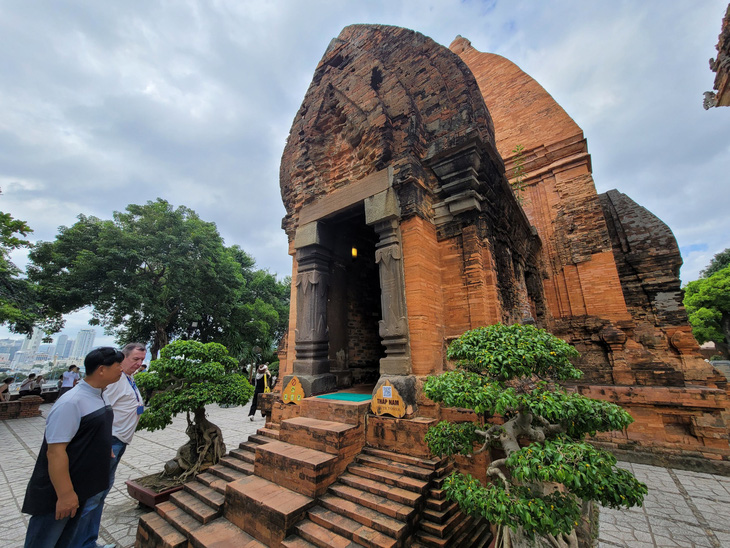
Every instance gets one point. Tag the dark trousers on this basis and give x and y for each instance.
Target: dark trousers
(254, 404)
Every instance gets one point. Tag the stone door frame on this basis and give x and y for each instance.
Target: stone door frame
(313, 248)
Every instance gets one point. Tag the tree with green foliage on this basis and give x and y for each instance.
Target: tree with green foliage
(20, 309)
(188, 376)
(546, 473)
(154, 274)
(719, 261)
(707, 301)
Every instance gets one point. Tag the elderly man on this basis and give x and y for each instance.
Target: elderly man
(126, 401)
(70, 468)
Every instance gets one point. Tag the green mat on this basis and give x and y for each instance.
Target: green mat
(346, 396)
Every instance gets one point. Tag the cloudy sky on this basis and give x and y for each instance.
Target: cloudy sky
(103, 104)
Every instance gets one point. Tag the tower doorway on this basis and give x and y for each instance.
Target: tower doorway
(354, 302)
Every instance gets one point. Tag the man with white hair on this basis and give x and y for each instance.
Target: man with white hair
(128, 405)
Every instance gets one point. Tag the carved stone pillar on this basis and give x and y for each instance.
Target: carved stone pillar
(311, 343)
(382, 213)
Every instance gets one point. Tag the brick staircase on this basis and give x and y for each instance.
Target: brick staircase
(306, 481)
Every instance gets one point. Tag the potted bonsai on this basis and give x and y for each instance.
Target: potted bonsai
(544, 475)
(187, 376)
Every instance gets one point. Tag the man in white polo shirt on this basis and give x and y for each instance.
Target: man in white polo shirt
(128, 405)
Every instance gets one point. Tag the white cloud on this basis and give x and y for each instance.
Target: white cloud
(106, 104)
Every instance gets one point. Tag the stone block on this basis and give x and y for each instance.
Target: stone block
(264, 509)
(336, 438)
(400, 435)
(300, 469)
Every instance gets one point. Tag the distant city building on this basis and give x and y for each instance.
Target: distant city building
(20, 359)
(82, 345)
(30, 345)
(69, 346)
(61, 342)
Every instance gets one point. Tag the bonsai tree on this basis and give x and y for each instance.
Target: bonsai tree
(188, 376)
(545, 474)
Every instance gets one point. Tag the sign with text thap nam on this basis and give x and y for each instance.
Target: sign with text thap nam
(293, 392)
(387, 401)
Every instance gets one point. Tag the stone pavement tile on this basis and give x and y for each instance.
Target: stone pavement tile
(705, 486)
(723, 537)
(658, 478)
(624, 528)
(670, 533)
(669, 506)
(715, 512)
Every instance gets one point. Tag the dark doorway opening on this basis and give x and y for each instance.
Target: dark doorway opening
(353, 308)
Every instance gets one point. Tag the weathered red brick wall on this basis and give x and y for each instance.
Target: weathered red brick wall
(612, 286)
(376, 100)
(422, 265)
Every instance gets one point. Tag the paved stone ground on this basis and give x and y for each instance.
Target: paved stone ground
(683, 509)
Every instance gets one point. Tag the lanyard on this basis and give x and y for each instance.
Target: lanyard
(133, 385)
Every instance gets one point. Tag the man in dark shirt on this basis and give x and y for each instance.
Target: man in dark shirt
(73, 463)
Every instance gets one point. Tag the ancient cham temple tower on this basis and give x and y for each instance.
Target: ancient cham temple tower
(405, 232)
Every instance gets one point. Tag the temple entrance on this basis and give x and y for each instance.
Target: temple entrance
(354, 304)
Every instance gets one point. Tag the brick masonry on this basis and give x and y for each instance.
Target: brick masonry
(27, 406)
(599, 271)
(612, 284)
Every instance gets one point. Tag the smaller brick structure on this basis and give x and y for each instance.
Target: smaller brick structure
(27, 406)
(721, 66)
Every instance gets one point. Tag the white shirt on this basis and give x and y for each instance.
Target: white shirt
(69, 377)
(124, 398)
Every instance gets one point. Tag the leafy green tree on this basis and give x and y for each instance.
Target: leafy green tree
(20, 309)
(507, 375)
(707, 301)
(719, 261)
(188, 376)
(151, 274)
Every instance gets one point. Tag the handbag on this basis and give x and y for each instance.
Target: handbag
(266, 384)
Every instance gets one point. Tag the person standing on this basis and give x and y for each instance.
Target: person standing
(71, 464)
(262, 383)
(5, 388)
(127, 404)
(69, 380)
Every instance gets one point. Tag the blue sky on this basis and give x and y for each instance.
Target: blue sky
(111, 103)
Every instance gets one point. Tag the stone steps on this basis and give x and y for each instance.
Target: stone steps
(178, 517)
(316, 535)
(433, 464)
(310, 482)
(209, 495)
(383, 505)
(389, 478)
(364, 515)
(374, 506)
(195, 507)
(395, 467)
(223, 534)
(237, 464)
(154, 532)
(246, 455)
(350, 529)
(396, 494)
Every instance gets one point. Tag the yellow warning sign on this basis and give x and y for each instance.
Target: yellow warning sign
(293, 392)
(387, 401)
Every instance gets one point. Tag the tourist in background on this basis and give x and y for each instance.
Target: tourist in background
(5, 389)
(27, 386)
(69, 380)
(262, 383)
(72, 462)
